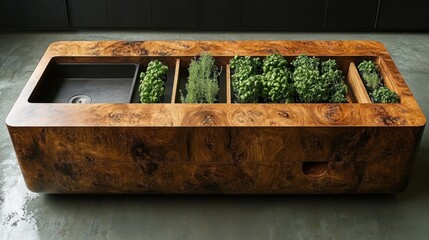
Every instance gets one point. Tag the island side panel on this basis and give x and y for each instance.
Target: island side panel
(215, 159)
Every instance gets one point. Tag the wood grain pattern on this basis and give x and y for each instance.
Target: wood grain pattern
(176, 81)
(228, 84)
(218, 148)
(409, 114)
(215, 160)
(350, 95)
(356, 85)
(385, 74)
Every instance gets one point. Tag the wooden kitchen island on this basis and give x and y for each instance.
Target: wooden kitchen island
(220, 148)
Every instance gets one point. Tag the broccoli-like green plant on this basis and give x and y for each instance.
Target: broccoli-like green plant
(246, 82)
(307, 82)
(273, 85)
(337, 89)
(247, 63)
(338, 96)
(274, 61)
(312, 81)
(384, 95)
(367, 66)
(202, 85)
(303, 60)
(308, 85)
(318, 82)
(368, 72)
(277, 84)
(373, 82)
(248, 91)
(152, 82)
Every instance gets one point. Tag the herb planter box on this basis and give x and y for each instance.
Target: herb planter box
(354, 147)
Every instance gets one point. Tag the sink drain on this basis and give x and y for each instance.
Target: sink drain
(80, 99)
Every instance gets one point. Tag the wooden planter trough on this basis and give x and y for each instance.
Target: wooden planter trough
(170, 147)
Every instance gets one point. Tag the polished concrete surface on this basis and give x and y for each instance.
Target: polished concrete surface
(27, 215)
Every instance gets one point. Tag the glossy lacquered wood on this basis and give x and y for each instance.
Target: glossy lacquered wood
(354, 147)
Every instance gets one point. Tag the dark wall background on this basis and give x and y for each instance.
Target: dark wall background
(216, 14)
(37, 14)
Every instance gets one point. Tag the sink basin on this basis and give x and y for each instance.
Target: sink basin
(86, 83)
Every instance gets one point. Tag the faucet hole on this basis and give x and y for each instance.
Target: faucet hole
(314, 169)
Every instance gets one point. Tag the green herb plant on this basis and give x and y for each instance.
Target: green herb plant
(246, 80)
(384, 95)
(202, 85)
(267, 81)
(277, 86)
(373, 83)
(369, 74)
(152, 82)
(317, 82)
(310, 81)
(334, 78)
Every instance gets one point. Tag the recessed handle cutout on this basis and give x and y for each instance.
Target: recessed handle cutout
(314, 169)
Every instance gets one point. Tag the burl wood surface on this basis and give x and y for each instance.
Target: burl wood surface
(355, 147)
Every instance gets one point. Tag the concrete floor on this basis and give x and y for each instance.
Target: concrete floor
(27, 215)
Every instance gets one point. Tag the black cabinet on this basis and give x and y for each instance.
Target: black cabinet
(110, 13)
(283, 14)
(33, 14)
(401, 14)
(128, 13)
(52, 13)
(88, 13)
(351, 14)
(174, 13)
(18, 14)
(219, 14)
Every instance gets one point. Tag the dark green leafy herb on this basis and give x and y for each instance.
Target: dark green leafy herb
(306, 77)
(246, 82)
(384, 95)
(337, 89)
(247, 63)
(315, 82)
(368, 71)
(152, 82)
(373, 82)
(277, 84)
(311, 80)
(273, 85)
(367, 66)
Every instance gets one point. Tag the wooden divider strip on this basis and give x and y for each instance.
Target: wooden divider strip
(386, 75)
(349, 96)
(176, 82)
(355, 82)
(228, 84)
